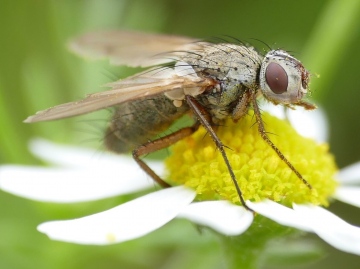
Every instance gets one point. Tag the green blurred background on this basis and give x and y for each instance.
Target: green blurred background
(36, 71)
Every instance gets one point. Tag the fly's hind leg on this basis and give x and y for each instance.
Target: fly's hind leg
(158, 144)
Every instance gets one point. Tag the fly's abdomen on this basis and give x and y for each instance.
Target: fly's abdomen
(137, 122)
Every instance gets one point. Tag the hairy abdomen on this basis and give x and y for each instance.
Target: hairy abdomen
(137, 122)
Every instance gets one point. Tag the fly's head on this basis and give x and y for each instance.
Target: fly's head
(283, 79)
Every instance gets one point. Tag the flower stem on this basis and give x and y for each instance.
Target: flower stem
(246, 251)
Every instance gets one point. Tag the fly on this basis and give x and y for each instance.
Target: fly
(209, 81)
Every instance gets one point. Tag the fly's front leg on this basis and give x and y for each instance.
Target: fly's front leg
(158, 144)
(265, 137)
(241, 107)
(204, 118)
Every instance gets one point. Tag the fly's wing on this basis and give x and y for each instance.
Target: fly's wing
(145, 84)
(133, 49)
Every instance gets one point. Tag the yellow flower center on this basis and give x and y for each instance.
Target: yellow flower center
(197, 163)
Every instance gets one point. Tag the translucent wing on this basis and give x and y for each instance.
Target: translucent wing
(132, 48)
(145, 84)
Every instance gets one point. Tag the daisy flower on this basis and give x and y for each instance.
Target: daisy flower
(202, 192)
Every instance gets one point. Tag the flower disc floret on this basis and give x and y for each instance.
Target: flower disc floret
(260, 173)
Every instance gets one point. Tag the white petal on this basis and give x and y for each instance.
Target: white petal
(312, 124)
(125, 222)
(72, 185)
(221, 216)
(77, 157)
(350, 174)
(277, 111)
(69, 156)
(331, 228)
(350, 195)
(279, 213)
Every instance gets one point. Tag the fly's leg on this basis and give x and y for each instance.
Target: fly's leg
(265, 137)
(203, 117)
(158, 144)
(241, 107)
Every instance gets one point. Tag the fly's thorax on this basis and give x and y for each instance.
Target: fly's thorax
(235, 67)
(283, 79)
(137, 122)
(220, 101)
(226, 62)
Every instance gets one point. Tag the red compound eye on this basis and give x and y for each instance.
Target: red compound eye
(276, 78)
